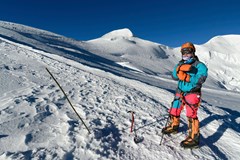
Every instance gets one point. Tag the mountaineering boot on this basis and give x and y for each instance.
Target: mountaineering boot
(172, 126)
(192, 141)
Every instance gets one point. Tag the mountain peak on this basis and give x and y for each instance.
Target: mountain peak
(123, 33)
(231, 38)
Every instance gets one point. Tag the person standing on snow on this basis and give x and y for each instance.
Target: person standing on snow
(190, 74)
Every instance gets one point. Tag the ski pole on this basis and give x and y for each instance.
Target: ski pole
(68, 100)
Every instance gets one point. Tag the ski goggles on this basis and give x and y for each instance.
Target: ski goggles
(187, 51)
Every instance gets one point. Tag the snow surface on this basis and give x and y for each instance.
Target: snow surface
(104, 79)
(121, 33)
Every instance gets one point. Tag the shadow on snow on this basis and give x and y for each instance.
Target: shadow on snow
(228, 122)
(109, 138)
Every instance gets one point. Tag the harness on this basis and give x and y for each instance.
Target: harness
(184, 102)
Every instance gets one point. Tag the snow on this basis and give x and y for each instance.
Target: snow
(104, 79)
(124, 33)
(128, 65)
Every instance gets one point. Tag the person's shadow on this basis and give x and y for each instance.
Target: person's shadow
(229, 122)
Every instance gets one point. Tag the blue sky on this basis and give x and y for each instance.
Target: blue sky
(169, 22)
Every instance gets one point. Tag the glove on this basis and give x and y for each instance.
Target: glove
(184, 67)
(183, 76)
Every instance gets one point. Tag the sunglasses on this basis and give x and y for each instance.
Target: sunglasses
(187, 51)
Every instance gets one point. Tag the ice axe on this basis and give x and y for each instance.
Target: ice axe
(137, 139)
(132, 122)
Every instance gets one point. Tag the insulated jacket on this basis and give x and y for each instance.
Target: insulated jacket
(198, 74)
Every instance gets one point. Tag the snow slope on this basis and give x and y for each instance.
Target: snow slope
(105, 78)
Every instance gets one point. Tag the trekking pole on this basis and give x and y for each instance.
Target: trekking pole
(166, 123)
(165, 127)
(68, 100)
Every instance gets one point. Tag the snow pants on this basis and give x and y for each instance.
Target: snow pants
(190, 100)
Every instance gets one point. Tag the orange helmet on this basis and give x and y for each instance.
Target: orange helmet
(188, 45)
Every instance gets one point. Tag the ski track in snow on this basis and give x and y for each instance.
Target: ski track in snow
(38, 123)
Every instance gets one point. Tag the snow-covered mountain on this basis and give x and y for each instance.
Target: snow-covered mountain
(105, 78)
